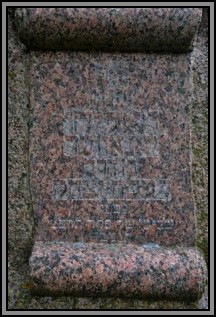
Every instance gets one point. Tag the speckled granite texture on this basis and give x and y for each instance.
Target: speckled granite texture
(108, 29)
(20, 284)
(110, 158)
(200, 129)
(20, 209)
(118, 270)
(109, 147)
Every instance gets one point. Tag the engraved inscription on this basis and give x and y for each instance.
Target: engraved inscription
(102, 190)
(109, 150)
(110, 134)
(110, 147)
(128, 224)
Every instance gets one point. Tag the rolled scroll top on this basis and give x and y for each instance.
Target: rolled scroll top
(108, 29)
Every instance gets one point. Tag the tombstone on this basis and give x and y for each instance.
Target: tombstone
(110, 163)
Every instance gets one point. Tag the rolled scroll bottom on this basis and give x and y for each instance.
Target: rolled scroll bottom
(117, 270)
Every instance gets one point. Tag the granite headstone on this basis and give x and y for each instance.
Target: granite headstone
(110, 153)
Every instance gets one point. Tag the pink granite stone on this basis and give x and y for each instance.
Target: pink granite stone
(110, 152)
(117, 270)
(108, 29)
(110, 147)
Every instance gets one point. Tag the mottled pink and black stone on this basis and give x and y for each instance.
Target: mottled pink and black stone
(110, 153)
